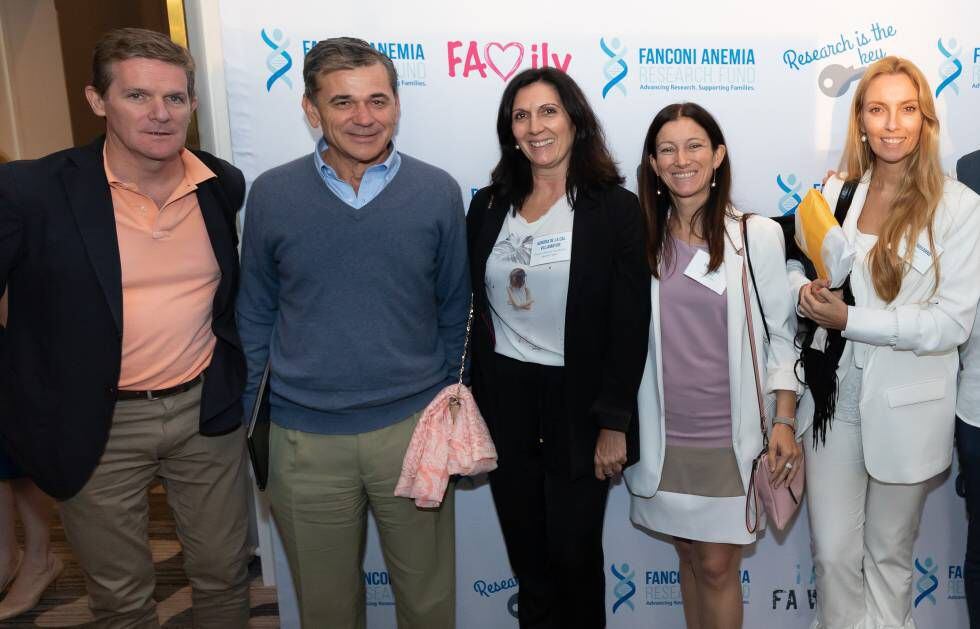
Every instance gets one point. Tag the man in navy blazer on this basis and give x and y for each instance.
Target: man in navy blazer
(968, 427)
(968, 170)
(122, 363)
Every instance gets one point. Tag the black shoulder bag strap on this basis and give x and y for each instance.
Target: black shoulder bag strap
(820, 364)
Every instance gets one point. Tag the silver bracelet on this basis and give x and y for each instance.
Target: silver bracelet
(786, 421)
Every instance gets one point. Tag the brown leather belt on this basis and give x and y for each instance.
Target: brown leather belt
(159, 393)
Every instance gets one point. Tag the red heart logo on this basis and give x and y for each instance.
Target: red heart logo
(502, 52)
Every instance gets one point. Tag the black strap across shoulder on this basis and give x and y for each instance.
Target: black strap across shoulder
(820, 364)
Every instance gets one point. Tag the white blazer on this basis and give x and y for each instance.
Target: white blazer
(908, 348)
(777, 359)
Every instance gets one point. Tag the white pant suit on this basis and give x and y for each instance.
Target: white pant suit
(893, 429)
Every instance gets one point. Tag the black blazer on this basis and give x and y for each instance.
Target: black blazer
(607, 318)
(60, 360)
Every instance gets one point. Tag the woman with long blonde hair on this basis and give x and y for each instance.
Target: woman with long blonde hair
(914, 284)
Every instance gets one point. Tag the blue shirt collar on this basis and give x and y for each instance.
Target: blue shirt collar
(325, 169)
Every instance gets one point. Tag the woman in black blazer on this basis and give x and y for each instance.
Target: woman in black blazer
(562, 301)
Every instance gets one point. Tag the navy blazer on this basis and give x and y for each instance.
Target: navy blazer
(968, 170)
(607, 318)
(60, 360)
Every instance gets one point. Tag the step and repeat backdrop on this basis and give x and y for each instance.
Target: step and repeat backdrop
(779, 81)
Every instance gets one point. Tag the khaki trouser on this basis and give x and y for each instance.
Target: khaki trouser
(206, 485)
(320, 487)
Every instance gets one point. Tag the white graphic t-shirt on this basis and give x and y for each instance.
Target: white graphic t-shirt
(527, 285)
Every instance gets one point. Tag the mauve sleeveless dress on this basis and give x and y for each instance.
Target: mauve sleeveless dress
(699, 458)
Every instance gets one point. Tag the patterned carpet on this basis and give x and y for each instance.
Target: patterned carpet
(64, 603)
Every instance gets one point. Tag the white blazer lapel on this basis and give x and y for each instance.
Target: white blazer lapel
(736, 316)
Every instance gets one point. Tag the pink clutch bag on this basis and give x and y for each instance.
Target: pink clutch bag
(779, 503)
(450, 438)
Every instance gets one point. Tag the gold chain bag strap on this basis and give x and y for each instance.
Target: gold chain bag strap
(455, 401)
(779, 504)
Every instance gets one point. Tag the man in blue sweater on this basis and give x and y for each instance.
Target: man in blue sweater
(355, 286)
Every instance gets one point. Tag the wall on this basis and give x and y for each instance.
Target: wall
(34, 119)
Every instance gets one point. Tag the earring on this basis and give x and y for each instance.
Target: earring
(517, 146)
(864, 138)
(713, 178)
(658, 190)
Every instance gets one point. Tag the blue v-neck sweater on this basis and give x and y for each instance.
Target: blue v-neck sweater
(362, 311)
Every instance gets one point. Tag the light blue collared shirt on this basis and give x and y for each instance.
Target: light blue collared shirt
(375, 178)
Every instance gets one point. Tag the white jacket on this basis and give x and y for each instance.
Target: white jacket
(777, 359)
(908, 348)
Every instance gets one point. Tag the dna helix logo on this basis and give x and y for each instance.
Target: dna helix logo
(791, 186)
(624, 588)
(278, 62)
(951, 68)
(615, 69)
(927, 583)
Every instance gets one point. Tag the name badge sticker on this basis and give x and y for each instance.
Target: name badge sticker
(551, 248)
(697, 270)
(923, 257)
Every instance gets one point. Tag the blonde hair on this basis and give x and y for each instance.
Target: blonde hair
(921, 187)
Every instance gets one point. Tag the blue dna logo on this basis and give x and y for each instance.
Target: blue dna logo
(278, 62)
(624, 588)
(615, 69)
(927, 583)
(951, 68)
(791, 186)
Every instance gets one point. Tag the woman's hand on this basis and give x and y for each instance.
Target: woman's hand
(785, 455)
(610, 453)
(822, 305)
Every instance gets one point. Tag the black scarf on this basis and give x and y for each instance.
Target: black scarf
(820, 365)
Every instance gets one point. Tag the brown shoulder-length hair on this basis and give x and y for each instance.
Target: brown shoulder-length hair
(709, 221)
(922, 185)
(137, 43)
(590, 166)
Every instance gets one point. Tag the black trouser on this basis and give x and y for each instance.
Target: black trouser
(552, 524)
(968, 486)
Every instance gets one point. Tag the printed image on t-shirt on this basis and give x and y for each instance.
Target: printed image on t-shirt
(518, 293)
(514, 249)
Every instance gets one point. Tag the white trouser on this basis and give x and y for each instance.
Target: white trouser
(858, 522)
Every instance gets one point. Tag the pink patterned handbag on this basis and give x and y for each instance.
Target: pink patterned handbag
(779, 503)
(450, 438)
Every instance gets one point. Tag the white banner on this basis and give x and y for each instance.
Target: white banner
(778, 78)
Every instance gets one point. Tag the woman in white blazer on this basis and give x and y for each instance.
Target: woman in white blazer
(698, 406)
(915, 289)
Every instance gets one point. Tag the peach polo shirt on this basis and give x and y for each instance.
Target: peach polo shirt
(169, 278)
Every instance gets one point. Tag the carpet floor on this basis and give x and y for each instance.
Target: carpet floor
(64, 603)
